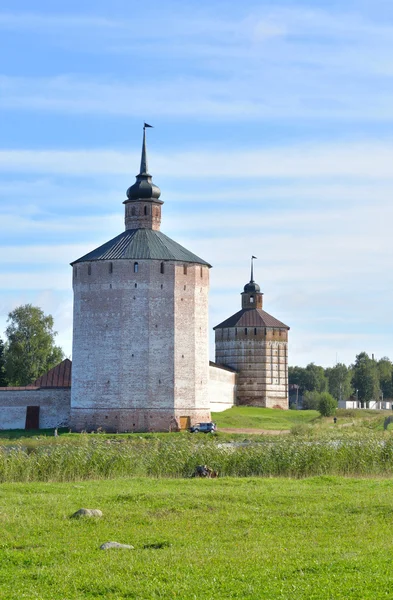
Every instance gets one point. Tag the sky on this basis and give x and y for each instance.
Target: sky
(273, 137)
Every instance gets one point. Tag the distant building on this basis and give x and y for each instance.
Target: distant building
(255, 345)
(40, 405)
(353, 402)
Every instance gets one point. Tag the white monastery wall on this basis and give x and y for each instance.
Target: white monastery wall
(54, 407)
(222, 388)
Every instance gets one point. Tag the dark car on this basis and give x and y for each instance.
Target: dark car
(203, 428)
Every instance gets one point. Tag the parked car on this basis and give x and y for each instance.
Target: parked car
(203, 428)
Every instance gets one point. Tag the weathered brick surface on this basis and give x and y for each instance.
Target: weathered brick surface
(54, 407)
(133, 420)
(140, 345)
(261, 360)
(143, 214)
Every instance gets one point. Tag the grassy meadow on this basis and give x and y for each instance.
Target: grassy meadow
(251, 538)
(281, 521)
(249, 417)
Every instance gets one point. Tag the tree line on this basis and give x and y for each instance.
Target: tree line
(29, 349)
(366, 379)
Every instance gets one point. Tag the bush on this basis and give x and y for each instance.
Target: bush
(311, 400)
(327, 404)
(300, 429)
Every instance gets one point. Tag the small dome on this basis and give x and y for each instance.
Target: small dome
(251, 287)
(143, 188)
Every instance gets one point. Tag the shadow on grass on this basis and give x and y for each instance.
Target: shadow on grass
(14, 434)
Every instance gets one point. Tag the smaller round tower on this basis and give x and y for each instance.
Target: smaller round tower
(255, 344)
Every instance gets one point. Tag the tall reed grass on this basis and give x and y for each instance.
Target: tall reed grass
(95, 458)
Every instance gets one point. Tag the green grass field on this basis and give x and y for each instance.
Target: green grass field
(249, 417)
(262, 418)
(319, 538)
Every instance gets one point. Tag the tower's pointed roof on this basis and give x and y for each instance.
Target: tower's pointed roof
(252, 286)
(251, 315)
(140, 240)
(144, 170)
(143, 187)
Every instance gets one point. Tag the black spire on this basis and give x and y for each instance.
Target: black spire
(252, 269)
(252, 286)
(144, 188)
(144, 170)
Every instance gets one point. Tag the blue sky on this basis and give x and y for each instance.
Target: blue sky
(273, 136)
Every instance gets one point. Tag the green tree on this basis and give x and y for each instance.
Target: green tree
(366, 378)
(3, 379)
(340, 381)
(311, 378)
(297, 376)
(327, 404)
(315, 378)
(385, 370)
(30, 348)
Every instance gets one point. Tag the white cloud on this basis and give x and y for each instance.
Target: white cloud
(291, 62)
(272, 93)
(41, 255)
(74, 226)
(368, 159)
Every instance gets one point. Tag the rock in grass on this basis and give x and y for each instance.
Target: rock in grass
(87, 512)
(109, 545)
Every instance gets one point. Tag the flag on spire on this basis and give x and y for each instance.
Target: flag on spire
(146, 125)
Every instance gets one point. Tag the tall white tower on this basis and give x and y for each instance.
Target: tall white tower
(140, 337)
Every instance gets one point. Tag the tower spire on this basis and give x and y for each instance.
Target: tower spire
(144, 170)
(143, 206)
(252, 269)
(252, 295)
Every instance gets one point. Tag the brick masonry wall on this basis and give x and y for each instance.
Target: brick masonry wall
(192, 342)
(54, 407)
(261, 361)
(131, 331)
